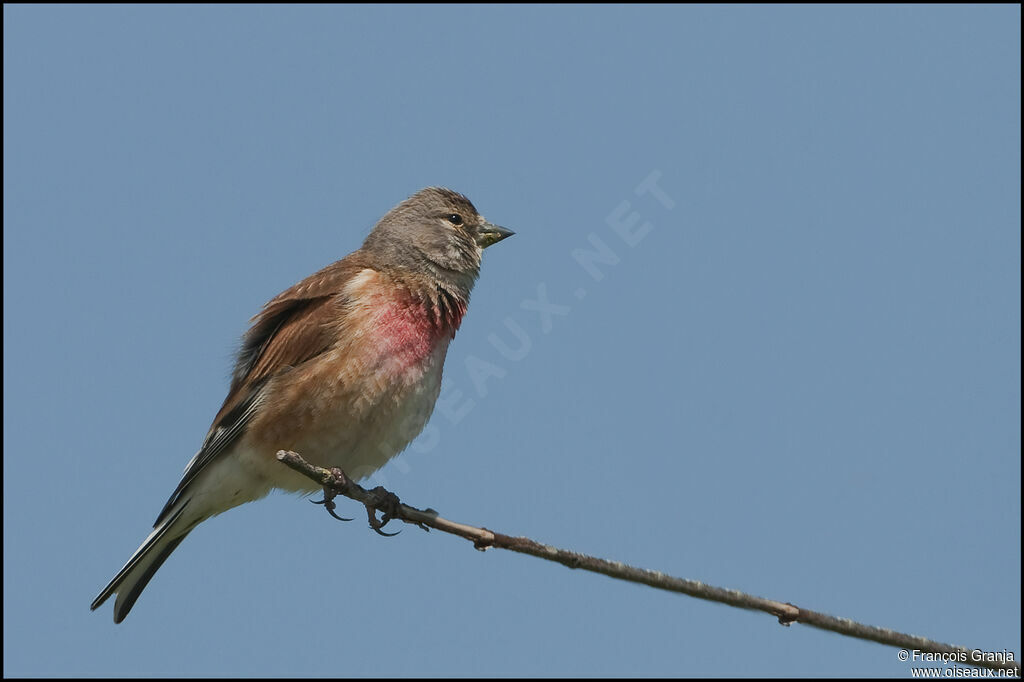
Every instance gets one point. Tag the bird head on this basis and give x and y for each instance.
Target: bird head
(437, 232)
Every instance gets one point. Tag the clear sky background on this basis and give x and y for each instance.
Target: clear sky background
(801, 379)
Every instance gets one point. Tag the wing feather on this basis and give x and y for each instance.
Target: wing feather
(293, 328)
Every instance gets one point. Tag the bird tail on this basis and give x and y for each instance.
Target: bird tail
(136, 574)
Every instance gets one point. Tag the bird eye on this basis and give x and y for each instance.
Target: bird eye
(454, 218)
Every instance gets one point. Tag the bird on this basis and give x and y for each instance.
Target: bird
(344, 368)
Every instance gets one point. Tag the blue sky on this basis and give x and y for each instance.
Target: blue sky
(796, 374)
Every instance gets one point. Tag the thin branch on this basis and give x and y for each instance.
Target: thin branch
(334, 481)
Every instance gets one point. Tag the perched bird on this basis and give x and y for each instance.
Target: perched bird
(343, 368)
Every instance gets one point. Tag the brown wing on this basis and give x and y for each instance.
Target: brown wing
(292, 328)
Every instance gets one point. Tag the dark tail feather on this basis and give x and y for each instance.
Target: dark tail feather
(126, 598)
(136, 574)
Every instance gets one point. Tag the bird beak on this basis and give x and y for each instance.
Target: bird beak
(489, 233)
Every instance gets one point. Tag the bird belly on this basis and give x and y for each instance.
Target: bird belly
(388, 419)
(353, 414)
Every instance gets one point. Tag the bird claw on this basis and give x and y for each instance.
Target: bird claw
(387, 502)
(328, 503)
(390, 507)
(377, 525)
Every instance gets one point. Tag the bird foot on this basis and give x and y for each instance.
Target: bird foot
(388, 504)
(341, 481)
(377, 499)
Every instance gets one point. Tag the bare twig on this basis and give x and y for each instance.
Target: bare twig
(335, 481)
